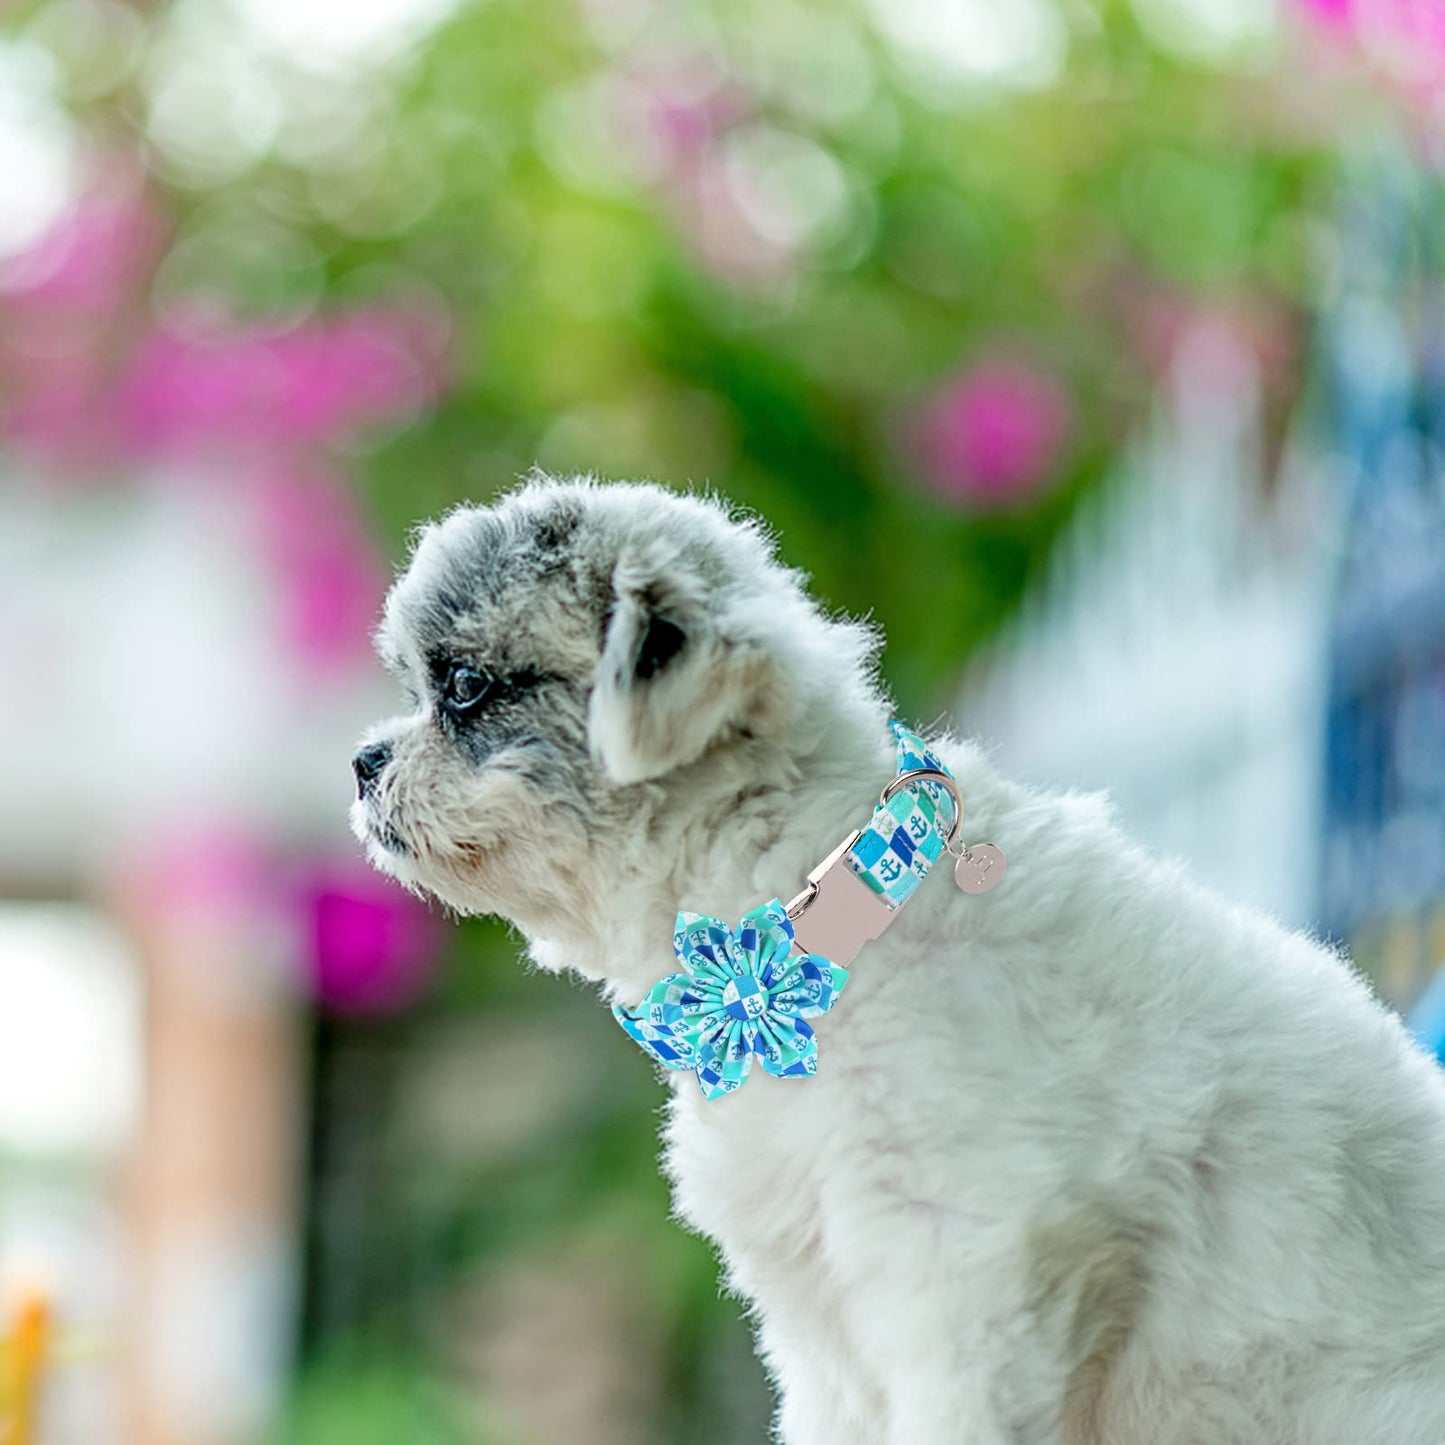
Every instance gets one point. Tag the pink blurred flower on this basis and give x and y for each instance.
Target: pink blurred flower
(88, 379)
(322, 380)
(1408, 19)
(329, 576)
(688, 108)
(92, 388)
(1158, 320)
(724, 238)
(368, 946)
(1415, 22)
(1335, 13)
(65, 306)
(92, 258)
(1402, 41)
(994, 433)
(219, 870)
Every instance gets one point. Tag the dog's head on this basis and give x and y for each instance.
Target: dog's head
(576, 658)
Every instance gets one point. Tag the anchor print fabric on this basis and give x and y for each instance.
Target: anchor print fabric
(905, 835)
(741, 995)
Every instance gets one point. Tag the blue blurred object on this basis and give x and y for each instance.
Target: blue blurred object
(1383, 887)
(1427, 1018)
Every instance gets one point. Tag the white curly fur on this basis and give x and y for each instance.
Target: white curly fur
(1095, 1159)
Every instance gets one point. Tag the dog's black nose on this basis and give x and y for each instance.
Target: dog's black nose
(368, 765)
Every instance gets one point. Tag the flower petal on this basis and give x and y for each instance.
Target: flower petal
(789, 1049)
(723, 1057)
(677, 997)
(704, 946)
(810, 987)
(672, 1050)
(772, 932)
(772, 927)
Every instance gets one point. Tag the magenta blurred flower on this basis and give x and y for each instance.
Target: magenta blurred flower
(1335, 13)
(684, 126)
(368, 946)
(1403, 41)
(688, 108)
(91, 387)
(62, 302)
(1415, 23)
(324, 379)
(359, 944)
(329, 575)
(96, 253)
(993, 435)
(218, 871)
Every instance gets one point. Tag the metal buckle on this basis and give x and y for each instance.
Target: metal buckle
(931, 775)
(837, 913)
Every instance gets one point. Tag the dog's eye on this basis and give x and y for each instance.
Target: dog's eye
(466, 688)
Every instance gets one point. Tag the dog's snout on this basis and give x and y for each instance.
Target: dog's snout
(368, 765)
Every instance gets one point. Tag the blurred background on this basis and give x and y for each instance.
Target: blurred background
(1096, 348)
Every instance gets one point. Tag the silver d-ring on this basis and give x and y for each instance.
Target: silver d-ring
(930, 775)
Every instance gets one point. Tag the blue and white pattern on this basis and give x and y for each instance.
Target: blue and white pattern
(906, 834)
(744, 995)
(740, 995)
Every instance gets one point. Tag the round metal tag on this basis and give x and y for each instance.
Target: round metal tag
(979, 868)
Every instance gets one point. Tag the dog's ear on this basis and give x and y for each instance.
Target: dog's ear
(674, 676)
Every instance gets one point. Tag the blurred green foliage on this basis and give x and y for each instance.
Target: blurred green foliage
(543, 170)
(364, 1403)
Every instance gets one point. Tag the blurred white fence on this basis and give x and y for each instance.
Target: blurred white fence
(1175, 654)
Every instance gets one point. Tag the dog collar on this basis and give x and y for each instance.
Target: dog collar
(749, 992)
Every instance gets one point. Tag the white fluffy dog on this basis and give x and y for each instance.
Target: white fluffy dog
(1094, 1159)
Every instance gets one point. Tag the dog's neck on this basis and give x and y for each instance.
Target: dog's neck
(750, 832)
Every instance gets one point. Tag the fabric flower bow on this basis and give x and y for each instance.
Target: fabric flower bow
(740, 994)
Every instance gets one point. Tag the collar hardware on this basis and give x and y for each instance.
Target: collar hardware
(748, 993)
(837, 913)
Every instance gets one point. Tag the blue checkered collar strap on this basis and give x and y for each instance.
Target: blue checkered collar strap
(910, 826)
(748, 993)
